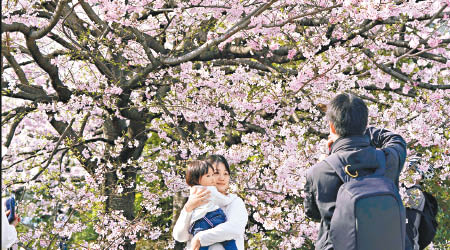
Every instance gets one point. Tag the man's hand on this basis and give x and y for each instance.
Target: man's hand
(195, 243)
(16, 218)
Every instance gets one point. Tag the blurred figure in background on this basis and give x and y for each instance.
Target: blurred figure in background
(9, 233)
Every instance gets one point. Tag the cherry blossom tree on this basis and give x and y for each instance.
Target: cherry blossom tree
(104, 101)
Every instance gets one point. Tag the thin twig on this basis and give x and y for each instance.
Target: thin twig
(64, 134)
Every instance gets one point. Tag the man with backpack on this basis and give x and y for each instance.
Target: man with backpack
(354, 191)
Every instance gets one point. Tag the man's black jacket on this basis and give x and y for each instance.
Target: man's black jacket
(322, 182)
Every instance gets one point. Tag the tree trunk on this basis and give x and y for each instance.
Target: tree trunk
(123, 201)
(178, 204)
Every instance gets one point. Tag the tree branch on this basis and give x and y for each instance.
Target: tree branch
(436, 15)
(63, 92)
(12, 131)
(78, 147)
(230, 32)
(149, 41)
(369, 99)
(141, 39)
(49, 56)
(29, 92)
(250, 63)
(35, 35)
(411, 93)
(49, 160)
(305, 21)
(15, 27)
(250, 127)
(92, 15)
(14, 112)
(83, 124)
(12, 61)
(401, 76)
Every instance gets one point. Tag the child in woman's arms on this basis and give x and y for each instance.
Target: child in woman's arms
(200, 174)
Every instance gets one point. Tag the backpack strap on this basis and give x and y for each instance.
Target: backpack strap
(334, 162)
(413, 186)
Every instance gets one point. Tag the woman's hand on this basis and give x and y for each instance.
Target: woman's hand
(198, 197)
(195, 243)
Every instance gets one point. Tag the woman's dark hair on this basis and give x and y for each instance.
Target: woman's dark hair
(195, 170)
(349, 115)
(214, 159)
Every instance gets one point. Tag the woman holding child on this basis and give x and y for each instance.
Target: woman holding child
(212, 218)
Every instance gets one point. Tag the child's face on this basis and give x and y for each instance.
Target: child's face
(208, 179)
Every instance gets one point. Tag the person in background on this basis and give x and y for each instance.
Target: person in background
(349, 136)
(9, 233)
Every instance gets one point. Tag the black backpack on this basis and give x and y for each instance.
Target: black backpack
(421, 222)
(369, 212)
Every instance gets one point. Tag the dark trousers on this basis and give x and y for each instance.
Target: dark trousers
(211, 220)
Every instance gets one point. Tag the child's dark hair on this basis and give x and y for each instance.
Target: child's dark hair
(195, 170)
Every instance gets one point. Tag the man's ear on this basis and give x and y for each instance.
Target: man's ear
(332, 128)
